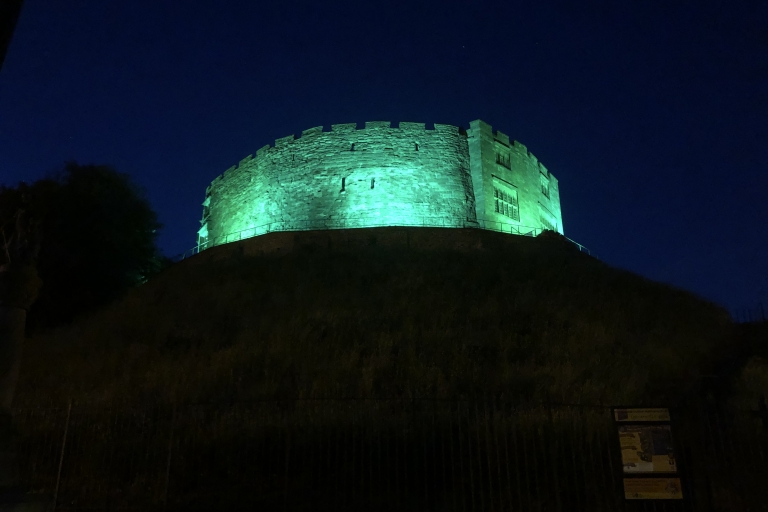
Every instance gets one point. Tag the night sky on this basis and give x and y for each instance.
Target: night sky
(652, 115)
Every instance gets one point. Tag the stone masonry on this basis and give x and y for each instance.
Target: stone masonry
(380, 176)
(498, 164)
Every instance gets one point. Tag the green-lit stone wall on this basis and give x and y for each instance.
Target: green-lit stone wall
(495, 160)
(378, 176)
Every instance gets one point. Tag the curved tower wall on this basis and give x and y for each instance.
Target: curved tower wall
(347, 177)
(379, 176)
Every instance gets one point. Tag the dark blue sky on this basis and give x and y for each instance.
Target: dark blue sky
(652, 115)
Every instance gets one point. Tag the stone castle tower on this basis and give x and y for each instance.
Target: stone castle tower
(383, 176)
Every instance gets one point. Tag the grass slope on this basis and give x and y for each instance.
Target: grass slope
(523, 317)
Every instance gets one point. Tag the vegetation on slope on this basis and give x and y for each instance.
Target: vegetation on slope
(741, 368)
(524, 318)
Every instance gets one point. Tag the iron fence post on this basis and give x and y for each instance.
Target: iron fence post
(170, 454)
(61, 456)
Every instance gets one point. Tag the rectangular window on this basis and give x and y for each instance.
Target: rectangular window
(544, 185)
(503, 160)
(505, 203)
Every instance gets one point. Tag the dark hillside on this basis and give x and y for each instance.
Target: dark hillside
(390, 312)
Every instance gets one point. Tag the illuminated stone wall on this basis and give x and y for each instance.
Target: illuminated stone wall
(501, 165)
(377, 176)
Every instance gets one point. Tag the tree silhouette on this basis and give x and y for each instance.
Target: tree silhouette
(97, 238)
(19, 286)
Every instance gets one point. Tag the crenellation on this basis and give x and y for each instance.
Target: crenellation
(262, 151)
(446, 128)
(344, 127)
(480, 128)
(312, 132)
(283, 141)
(377, 124)
(501, 137)
(412, 127)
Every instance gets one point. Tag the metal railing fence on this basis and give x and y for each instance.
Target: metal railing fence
(482, 454)
(366, 222)
(750, 315)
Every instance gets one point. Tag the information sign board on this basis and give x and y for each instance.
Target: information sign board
(647, 449)
(648, 461)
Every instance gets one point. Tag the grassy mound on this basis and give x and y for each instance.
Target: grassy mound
(521, 317)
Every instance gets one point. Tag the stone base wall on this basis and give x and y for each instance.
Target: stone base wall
(279, 243)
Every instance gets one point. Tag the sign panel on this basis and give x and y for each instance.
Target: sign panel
(653, 489)
(647, 449)
(648, 461)
(632, 415)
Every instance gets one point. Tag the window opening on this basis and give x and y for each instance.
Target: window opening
(504, 160)
(505, 203)
(544, 185)
(206, 208)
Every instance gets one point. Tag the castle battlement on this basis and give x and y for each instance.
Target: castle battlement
(345, 128)
(381, 171)
(501, 137)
